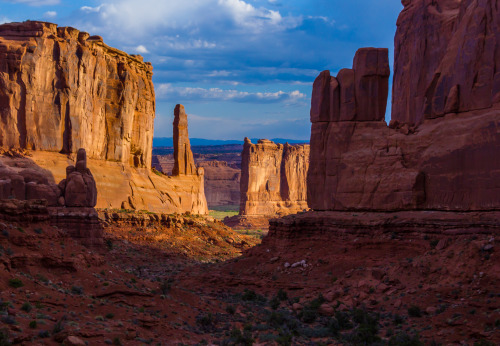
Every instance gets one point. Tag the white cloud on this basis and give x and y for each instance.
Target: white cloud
(4, 20)
(36, 2)
(50, 14)
(200, 16)
(141, 49)
(168, 91)
(89, 9)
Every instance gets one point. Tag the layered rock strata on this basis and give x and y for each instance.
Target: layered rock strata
(273, 178)
(448, 163)
(447, 59)
(61, 89)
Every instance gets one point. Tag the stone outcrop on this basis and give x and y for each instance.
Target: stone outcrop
(447, 163)
(273, 178)
(222, 183)
(446, 59)
(61, 90)
(184, 161)
(79, 188)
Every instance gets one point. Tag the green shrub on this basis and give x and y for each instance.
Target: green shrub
(483, 342)
(26, 307)
(4, 337)
(282, 295)
(239, 338)
(16, 283)
(230, 309)
(414, 311)
(403, 339)
(249, 295)
(33, 324)
(274, 303)
(77, 290)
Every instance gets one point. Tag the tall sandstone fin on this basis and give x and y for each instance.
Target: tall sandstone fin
(183, 156)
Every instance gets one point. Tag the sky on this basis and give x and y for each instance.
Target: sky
(242, 68)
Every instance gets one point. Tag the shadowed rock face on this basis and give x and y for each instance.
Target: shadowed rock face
(61, 90)
(183, 156)
(447, 59)
(449, 162)
(273, 178)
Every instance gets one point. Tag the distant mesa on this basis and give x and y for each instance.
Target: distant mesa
(273, 182)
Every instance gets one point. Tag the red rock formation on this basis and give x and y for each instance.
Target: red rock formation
(368, 166)
(184, 161)
(79, 188)
(357, 94)
(273, 178)
(61, 90)
(447, 59)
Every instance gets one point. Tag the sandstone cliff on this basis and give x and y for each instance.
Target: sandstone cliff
(273, 178)
(61, 90)
(447, 59)
(447, 163)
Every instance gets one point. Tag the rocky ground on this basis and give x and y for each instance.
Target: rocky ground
(183, 282)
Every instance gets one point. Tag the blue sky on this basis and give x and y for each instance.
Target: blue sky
(240, 67)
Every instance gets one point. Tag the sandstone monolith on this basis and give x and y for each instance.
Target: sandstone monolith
(184, 161)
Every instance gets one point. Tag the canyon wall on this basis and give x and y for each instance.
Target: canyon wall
(61, 90)
(273, 178)
(447, 59)
(445, 160)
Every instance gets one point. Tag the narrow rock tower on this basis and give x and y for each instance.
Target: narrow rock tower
(183, 156)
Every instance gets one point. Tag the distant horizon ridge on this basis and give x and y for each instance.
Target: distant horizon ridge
(168, 141)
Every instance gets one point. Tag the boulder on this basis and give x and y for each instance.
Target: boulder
(79, 187)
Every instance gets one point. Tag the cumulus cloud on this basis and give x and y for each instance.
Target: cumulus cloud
(167, 91)
(195, 16)
(141, 49)
(35, 2)
(4, 20)
(50, 14)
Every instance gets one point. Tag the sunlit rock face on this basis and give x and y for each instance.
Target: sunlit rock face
(61, 90)
(273, 178)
